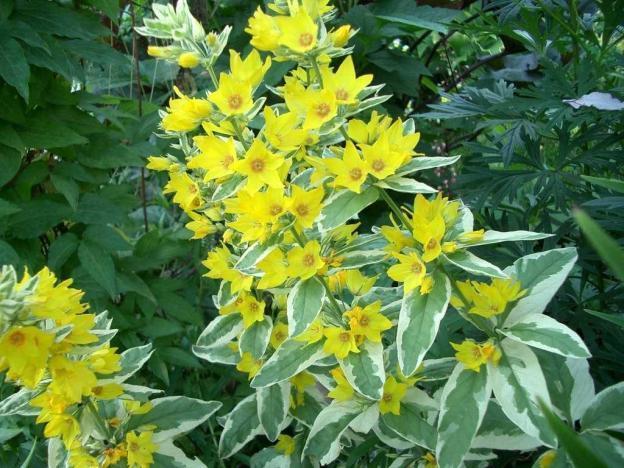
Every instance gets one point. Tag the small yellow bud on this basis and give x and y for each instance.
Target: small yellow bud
(156, 51)
(188, 60)
(340, 36)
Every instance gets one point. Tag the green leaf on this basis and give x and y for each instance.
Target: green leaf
(220, 331)
(255, 339)
(68, 187)
(411, 425)
(365, 370)
(99, 264)
(10, 161)
(291, 358)
(607, 247)
(580, 454)
(605, 411)
(37, 217)
(463, 403)
(617, 319)
(423, 17)
(497, 432)
(541, 274)
(61, 249)
(96, 209)
(544, 332)
(8, 255)
(405, 185)
(174, 416)
(419, 321)
(304, 304)
(469, 262)
(612, 184)
(241, 425)
(273, 405)
(421, 163)
(14, 68)
(323, 443)
(494, 237)
(518, 383)
(344, 205)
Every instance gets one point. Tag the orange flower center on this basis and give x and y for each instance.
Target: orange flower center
(355, 173)
(17, 338)
(344, 337)
(276, 209)
(235, 101)
(253, 307)
(416, 268)
(342, 94)
(432, 244)
(364, 321)
(387, 397)
(308, 260)
(97, 390)
(257, 165)
(378, 165)
(306, 39)
(302, 210)
(227, 160)
(323, 109)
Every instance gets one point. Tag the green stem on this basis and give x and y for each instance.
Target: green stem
(395, 209)
(213, 76)
(239, 133)
(317, 70)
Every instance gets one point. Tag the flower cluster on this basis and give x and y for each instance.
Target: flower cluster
(331, 323)
(59, 355)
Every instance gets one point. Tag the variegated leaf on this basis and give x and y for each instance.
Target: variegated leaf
(255, 339)
(221, 330)
(273, 404)
(421, 163)
(605, 411)
(304, 304)
(344, 205)
(494, 237)
(241, 425)
(365, 370)
(405, 185)
(412, 426)
(469, 262)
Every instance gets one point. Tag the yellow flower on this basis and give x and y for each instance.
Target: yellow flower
(50, 404)
(343, 390)
(426, 211)
(274, 268)
(302, 380)
(368, 321)
(340, 342)
(107, 391)
(393, 393)
(471, 236)
(72, 379)
(314, 333)
(381, 161)
(135, 407)
(285, 444)
(260, 166)
(264, 31)
(216, 156)
(218, 264)
(353, 280)
(114, 454)
(79, 458)
(340, 36)
(250, 70)
(397, 239)
(200, 225)
(473, 355)
(65, 427)
(344, 83)
(81, 331)
(410, 271)
(279, 334)
(350, 171)
(367, 132)
(140, 449)
(400, 143)
(430, 237)
(105, 360)
(232, 97)
(249, 365)
(188, 60)
(59, 301)
(305, 205)
(159, 163)
(282, 131)
(25, 351)
(252, 310)
(547, 459)
(320, 107)
(185, 190)
(298, 32)
(429, 460)
(304, 262)
(158, 52)
(488, 300)
(185, 114)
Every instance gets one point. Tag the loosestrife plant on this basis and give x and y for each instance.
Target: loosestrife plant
(336, 326)
(74, 382)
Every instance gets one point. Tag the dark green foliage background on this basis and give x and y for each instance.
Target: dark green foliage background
(78, 113)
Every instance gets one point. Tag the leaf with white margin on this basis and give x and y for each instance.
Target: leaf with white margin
(494, 237)
(421, 163)
(221, 330)
(469, 262)
(304, 304)
(411, 425)
(366, 420)
(273, 404)
(222, 354)
(518, 383)
(583, 390)
(344, 205)
(544, 332)
(391, 438)
(323, 443)
(169, 456)
(174, 416)
(605, 411)
(130, 362)
(242, 425)
(497, 432)
(255, 339)
(541, 274)
(360, 258)
(365, 370)
(419, 321)
(463, 403)
(269, 457)
(288, 360)
(609, 449)
(57, 455)
(139, 392)
(18, 403)
(254, 254)
(404, 185)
